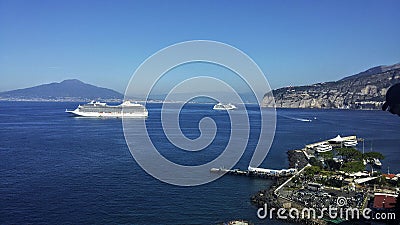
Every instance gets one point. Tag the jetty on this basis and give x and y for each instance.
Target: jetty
(337, 142)
(293, 187)
(320, 185)
(256, 172)
(298, 160)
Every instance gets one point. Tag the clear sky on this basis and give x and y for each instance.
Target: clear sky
(103, 42)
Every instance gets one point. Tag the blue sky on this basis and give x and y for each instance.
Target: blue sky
(103, 42)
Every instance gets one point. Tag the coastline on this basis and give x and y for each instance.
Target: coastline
(78, 100)
(311, 189)
(267, 196)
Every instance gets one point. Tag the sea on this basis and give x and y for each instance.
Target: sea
(60, 169)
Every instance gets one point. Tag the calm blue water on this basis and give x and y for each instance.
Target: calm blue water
(60, 169)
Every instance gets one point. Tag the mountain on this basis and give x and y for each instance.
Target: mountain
(73, 90)
(374, 70)
(365, 90)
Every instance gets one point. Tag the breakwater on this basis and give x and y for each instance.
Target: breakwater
(257, 172)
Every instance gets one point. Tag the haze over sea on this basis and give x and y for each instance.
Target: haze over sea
(55, 168)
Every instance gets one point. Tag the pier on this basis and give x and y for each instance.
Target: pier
(256, 172)
(297, 159)
(318, 186)
(291, 189)
(347, 138)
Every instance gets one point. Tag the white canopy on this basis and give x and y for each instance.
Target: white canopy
(337, 139)
(359, 174)
(363, 180)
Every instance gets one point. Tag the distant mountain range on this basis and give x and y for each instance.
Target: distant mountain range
(365, 90)
(373, 70)
(67, 90)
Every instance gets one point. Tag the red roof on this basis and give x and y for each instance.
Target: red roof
(391, 176)
(384, 201)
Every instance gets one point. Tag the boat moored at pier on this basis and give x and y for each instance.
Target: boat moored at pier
(377, 162)
(350, 143)
(323, 148)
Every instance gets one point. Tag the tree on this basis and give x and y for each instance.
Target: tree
(373, 155)
(312, 170)
(326, 155)
(381, 181)
(332, 165)
(350, 154)
(352, 167)
(315, 162)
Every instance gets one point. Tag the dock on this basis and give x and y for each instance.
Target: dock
(306, 153)
(256, 172)
(313, 145)
(289, 192)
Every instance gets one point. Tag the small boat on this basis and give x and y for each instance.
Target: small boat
(350, 143)
(337, 159)
(221, 106)
(323, 148)
(219, 170)
(377, 162)
(238, 222)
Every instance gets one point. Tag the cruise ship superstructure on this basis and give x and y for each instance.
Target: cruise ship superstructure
(101, 109)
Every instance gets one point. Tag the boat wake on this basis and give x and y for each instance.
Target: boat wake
(298, 119)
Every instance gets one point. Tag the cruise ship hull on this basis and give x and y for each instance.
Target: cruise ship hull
(110, 115)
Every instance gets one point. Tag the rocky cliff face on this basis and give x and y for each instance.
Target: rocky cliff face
(365, 90)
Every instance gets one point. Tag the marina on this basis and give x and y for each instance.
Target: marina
(338, 141)
(310, 183)
(308, 152)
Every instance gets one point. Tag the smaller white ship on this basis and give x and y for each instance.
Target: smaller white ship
(323, 148)
(350, 143)
(221, 106)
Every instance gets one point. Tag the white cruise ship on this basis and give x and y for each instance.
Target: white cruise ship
(100, 109)
(221, 106)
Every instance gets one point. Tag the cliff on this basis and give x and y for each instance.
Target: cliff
(365, 90)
